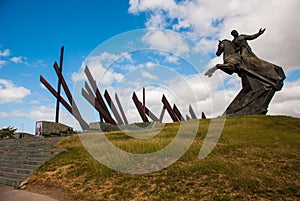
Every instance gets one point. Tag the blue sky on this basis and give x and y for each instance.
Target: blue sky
(32, 33)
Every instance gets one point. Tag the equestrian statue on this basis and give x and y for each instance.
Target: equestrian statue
(260, 79)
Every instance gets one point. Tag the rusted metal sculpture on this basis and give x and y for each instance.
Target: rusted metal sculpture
(92, 94)
(71, 106)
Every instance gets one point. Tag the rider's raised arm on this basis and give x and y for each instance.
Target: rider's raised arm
(254, 36)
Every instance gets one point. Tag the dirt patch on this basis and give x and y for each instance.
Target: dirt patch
(54, 192)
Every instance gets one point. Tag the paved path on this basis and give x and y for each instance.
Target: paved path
(10, 194)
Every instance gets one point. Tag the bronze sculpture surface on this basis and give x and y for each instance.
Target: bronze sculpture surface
(260, 79)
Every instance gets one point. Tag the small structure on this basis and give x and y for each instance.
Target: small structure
(23, 135)
(47, 128)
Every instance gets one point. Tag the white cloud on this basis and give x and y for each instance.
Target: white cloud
(3, 63)
(19, 60)
(166, 40)
(172, 59)
(137, 6)
(150, 65)
(39, 63)
(287, 101)
(39, 113)
(11, 93)
(34, 102)
(148, 75)
(205, 44)
(98, 66)
(5, 53)
(15, 59)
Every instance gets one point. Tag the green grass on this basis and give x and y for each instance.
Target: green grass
(256, 158)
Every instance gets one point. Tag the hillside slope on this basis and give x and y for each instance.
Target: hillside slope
(256, 158)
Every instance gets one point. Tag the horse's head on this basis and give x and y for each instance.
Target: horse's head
(225, 46)
(220, 48)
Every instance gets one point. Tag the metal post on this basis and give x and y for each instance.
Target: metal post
(113, 107)
(59, 83)
(169, 109)
(203, 115)
(121, 109)
(177, 112)
(193, 115)
(162, 114)
(144, 99)
(140, 108)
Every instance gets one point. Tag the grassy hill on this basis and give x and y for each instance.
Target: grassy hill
(256, 158)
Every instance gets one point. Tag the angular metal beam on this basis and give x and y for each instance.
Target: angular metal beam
(88, 89)
(178, 113)
(169, 109)
(121, 109)
(203, 115)
(193, 115)
(59, 83)
(113, 108)
(162, 114)
(151, 115)
(144, 98)
(139, 107)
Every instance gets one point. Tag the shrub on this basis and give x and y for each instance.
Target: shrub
(7, 132)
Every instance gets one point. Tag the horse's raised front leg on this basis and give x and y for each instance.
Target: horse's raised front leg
(211, 71)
